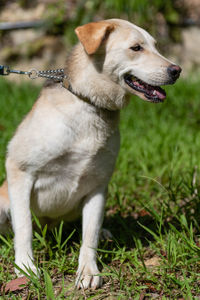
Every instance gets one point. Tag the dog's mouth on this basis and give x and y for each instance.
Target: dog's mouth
(150, 93)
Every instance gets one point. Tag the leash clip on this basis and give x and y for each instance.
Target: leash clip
(4, 70)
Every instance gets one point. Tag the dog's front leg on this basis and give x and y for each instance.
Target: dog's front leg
(19, 187)
(92, 217)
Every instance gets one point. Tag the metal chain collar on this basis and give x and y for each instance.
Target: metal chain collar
(57, 75)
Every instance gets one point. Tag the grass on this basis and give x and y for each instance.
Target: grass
(152, 210)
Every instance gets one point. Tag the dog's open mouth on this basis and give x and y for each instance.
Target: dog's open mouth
(151, 93)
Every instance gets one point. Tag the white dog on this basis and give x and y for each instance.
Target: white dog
(62, 155)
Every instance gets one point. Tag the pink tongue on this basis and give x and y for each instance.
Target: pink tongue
(149, 88)
(137, 83)
(160, 95)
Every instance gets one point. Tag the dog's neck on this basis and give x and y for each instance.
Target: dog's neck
(91, 84)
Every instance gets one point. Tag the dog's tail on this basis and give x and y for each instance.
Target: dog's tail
(5, 224)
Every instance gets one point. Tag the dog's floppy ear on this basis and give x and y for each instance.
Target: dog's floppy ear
(92, 34)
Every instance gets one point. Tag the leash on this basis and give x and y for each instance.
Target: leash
(57, 75)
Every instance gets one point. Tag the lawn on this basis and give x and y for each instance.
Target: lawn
(152, 210)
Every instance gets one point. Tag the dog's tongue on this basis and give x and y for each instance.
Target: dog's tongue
(150, 90)
(160, 93)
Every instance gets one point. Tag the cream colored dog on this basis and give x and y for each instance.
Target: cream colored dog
(62, 155)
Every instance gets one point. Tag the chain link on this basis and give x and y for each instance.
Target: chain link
(49, 74)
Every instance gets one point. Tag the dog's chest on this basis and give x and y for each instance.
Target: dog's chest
(80, 167)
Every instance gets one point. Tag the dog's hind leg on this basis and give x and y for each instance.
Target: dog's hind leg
(5, 224)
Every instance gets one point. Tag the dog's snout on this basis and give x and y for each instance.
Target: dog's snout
(174, 71)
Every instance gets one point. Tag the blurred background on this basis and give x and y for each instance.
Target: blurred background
(154, 193)
(39, 33)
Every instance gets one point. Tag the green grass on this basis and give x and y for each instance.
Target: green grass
(152, 210)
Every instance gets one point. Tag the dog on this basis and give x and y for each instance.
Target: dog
(60, 160)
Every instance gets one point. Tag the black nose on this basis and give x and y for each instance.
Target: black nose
(174, 71)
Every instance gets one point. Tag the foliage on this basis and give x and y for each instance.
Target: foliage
(141, 12)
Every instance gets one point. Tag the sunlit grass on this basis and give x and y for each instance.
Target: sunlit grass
(152, 210)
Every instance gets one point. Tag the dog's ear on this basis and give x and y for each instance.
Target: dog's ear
(92, 34)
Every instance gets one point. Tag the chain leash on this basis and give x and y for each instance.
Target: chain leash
(57, 74)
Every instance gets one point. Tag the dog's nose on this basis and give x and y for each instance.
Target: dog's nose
(174, 71)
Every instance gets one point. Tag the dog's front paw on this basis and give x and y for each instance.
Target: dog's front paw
(28, 268)
(88, 277)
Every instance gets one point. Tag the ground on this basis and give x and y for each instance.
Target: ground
(152, 209)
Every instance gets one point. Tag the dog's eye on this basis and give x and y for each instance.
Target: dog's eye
(136, 48)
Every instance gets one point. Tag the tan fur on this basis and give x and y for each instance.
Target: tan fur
(4, 191)
(4, 209)
(91, 35)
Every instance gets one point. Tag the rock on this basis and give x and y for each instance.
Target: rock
(187, 54)
(12, 12)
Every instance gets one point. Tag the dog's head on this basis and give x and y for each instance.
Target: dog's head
(130, 57)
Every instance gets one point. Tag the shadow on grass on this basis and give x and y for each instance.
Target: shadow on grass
(125, 228)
